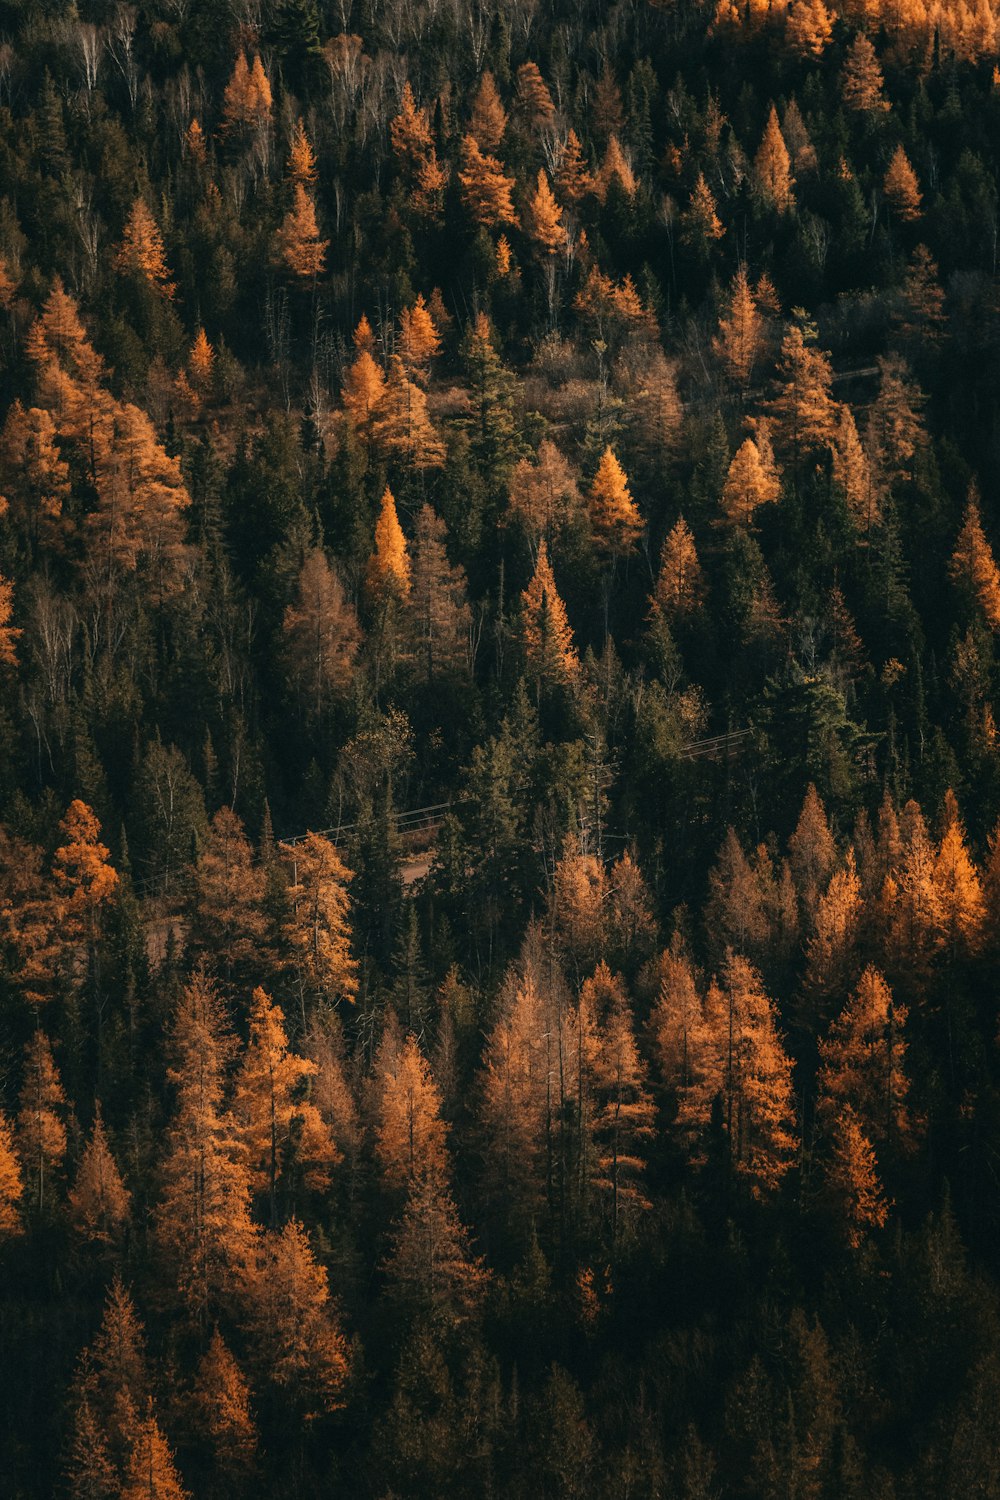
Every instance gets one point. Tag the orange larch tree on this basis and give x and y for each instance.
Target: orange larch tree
(960, 890)
(543, 218)
(486, 192)
(808, 28)
(545, 496)
(221, 1413)
(863, 1066)
(545, 630)
(298, 246)
(410, 1134)
(201, 362)
(431, 1269)
(740, 337)
(318, 930)
(141, 253)
(851, 1182)
(389, 573)
(41, 1129)
(419, 340)
(488, 121)
(401, 426)
(225, 913)
(11, 1183)
(862, 83)
(772, 167)
(901, 188)
(680, 582)
(150, 1469)
(804, 412)
(437, 609)
(614, 168)
(534, 102)
(301, 165)
(973, 567)
(700, 224)
(321, 634)
(573, 180)
(98, 1200)
(614, 516)
(750, 483)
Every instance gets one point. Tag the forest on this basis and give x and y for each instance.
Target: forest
(499, 766)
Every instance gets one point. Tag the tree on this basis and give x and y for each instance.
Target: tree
(812, 852)
(973, 568)
(37, 486)
(809, 28)
(960, 891)
(419, 340)
(410, 1134)
(772, 166)
(294, 1331)
(751, 481)
(534, 101)
(851, 1183)
(221, 1410)
(803, 411)
(614, 517)
(614, 168)
(201, 362)
(863, 1066)
(920, 316)
(740, 337)
(41, 1132)
(543, 218)
(141, 253)
(680, 584)
(150, 1473)
(11, 1183)
(297, 245)
(831, 947)
(624, 1116)
(862, 83)
(544, 495)
(321, 634)
(99, 1200)
(486, 192)
(431, 1269)
(901, 188)
(247, 99)
(700, 224)
(573, 180)
(318, 928)
(545, 629)
(226, 912)
(279, 1126)
(201, 1223)
(489, 118)
(389, 574)
(852, 473)
(757, 1091)
(301, 167)
(413, 144)
(437, 608)
(894, 432)
(681, 1042)
(401, 427)
(9, 634)
(362, 391)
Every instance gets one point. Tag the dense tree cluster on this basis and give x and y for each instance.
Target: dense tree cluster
(582, 424)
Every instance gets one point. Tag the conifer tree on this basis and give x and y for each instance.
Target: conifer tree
(700, 224)
(41, 1131)
(389, 572)
(751, 482)
(548, 639)
(201, 362)
(614, 517)
(851, 1182)
(226, 911)
(809, 28)
(410, 1134)
(863, 1066)
(772, 167)
(573, 180)
(277, 1122)
(901, 188)
(615, 168)
(543, 218)
(960, 892)
(301, 167)
(740, 337)
(363, 389)
(321, 634)
(803, 410)
(489, 118)
(99, 1200)
(623, 1122)
(973, 567)
(401, 427)
(680, 583)
(318, 928)
(431, 1269)
(141, 253)
(862, 83)
(298, 246)
(544, 495)
(852, 473)
(437, 607)
(221, 1410)
(150, 1472)
(534, 102)
(11, 1183)
(419, 340)
(486, 192)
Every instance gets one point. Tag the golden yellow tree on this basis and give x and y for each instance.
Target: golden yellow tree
(544, 495)
(809, 28)
(388, 571)
(960, 890)
(700, 224)
(614, 168)
(901, 188)
(534, 102)
(803, 411)
(41, 1131)
(545, 630)
(486, 192)
(401, 426)
(201, 362)
(301, 165)
(973, 567)
(543, 218)
(362, 391)
(740, 336)
(419, 339)
(298, 246)
(410, 1134)
(9, 634)
(680, 583)
(614, 516)
(488, 121)
(247, 100)
(751, 481)
(862, 83)
(141, 253)
(318, 929)
(772, 166)
(11, 1183)
(573, 180)
(863, 1066)
(852, 473)
(99, 1200)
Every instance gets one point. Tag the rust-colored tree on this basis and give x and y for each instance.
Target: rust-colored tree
(318, 930)
(321, 634)
(410, 1134)
(548, 640)
(41, 1128)
(99, 1201)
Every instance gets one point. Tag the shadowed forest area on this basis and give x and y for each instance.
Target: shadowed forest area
(499, 772)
